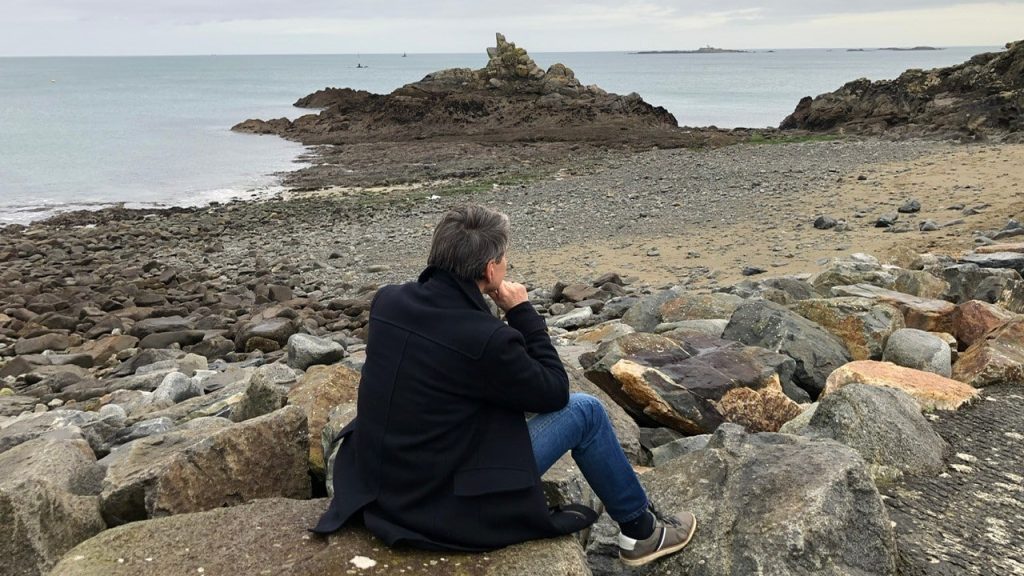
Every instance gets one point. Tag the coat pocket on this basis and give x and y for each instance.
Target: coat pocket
(480, 481)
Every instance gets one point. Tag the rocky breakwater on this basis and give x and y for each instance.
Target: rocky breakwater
(511, 99)
(722, 386)
(980, 99)
(149, 398)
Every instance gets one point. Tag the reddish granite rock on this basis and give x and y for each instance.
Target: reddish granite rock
(974, 318)
(996, 359)
(930, 390)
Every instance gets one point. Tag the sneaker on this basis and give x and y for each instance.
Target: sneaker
(671, 535)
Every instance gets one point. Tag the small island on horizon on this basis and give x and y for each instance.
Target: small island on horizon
(705, 50)
(895, 49)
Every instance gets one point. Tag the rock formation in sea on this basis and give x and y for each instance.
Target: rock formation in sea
(982, 98)
(511, 99)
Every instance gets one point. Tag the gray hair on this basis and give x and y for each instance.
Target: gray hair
(466, 239)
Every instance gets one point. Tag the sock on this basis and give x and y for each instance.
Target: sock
(640, 528)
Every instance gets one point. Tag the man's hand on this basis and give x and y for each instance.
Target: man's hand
(508, 295)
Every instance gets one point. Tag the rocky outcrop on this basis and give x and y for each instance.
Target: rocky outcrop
(270, 537)
(979, 99)
(510, 99)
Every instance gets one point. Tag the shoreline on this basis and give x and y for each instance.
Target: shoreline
(692, 217)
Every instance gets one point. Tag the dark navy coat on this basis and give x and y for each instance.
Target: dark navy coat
(439, 455)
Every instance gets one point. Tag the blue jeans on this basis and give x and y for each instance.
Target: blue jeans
(583, 428)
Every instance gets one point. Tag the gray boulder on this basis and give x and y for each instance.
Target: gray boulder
(677, 448)
(884, 426)
(305, 350)
(993, 285)
(207, 467)
(774, 504)
(48, 501)
(144, 328)
(270, 537)
(799, 424)
(276, 330)
(576, 318)
(919, 350)
(769, 325)
(645, 315)
(175, 388)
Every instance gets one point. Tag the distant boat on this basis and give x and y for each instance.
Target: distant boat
(361, 66)
(404, 54)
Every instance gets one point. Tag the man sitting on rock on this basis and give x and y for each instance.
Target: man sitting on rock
(441, 456)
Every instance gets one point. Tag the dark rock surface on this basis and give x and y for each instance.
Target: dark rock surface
(968, 520)
(978, 99)
(769, 325)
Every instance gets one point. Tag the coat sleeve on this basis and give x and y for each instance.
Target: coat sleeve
(523, 367)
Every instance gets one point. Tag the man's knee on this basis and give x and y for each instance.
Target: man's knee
(591, 408)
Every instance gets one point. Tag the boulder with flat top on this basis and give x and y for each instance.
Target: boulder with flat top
(270, 537)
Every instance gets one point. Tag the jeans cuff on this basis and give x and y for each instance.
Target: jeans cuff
(634, 515)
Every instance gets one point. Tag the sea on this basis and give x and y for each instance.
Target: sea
(148, 131)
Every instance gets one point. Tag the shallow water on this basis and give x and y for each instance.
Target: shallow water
(145, 131)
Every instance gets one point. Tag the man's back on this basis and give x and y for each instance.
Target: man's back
(440, 454)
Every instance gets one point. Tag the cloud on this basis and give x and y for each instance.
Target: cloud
(204, 11)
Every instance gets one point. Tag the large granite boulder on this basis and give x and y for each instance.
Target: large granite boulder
(920, 350)
(48, 501)
(854, 269)
(781, 290)
(261, 332)
(885, 426)
(769, 325)
(928, 314)
(206, 467)
(691, 306)
(316, 393)
(774, 504)
(270, 537)
(645, 315)
(862, 324)
(694, 385)
(920, 283)
(1011, 260)
(1000, 286)
(998, 358)
(305, 350)
(932, 392)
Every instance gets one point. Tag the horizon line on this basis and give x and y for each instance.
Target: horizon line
(399, 54)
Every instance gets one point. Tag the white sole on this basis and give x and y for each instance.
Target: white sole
(663, 551)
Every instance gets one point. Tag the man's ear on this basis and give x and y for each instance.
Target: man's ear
(488, 272)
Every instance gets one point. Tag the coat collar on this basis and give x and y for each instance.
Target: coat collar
(469, 289)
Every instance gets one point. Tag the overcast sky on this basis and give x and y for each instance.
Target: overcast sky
(128, 27)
